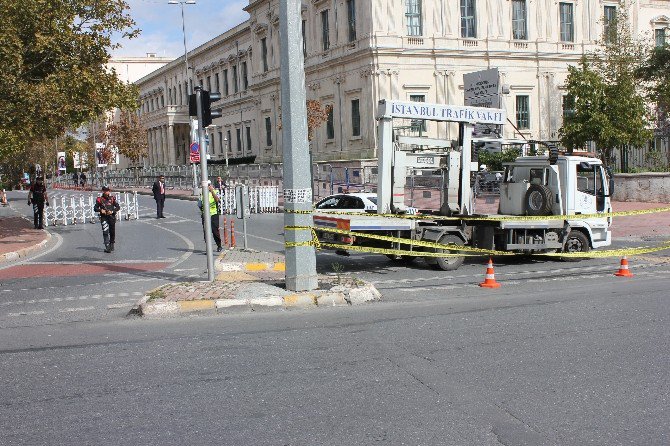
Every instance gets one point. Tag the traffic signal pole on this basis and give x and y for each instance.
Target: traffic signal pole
(300, 254)
(205, 190)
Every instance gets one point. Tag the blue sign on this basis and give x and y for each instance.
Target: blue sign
(195, 147)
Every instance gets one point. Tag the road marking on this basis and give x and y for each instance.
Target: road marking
(71, 310)
(115, 306)
(25, 313)
(132, 295)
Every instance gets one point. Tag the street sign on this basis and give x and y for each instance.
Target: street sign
(195, 152)
(483, 89)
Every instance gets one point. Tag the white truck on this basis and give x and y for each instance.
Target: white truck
(538, 186)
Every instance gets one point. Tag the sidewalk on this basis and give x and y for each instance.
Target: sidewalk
(18, 238)
(252, 281)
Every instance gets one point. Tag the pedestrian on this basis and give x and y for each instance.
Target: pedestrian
(213, 215)
(37, 196)
(159, 195)
(82, 178)
(107, 206)
(75, 179)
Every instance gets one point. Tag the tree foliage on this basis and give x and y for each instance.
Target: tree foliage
(655, 73)
(609, 105)
(128, 136)
(53, 75)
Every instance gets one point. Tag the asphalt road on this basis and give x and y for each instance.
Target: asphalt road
(563, 353)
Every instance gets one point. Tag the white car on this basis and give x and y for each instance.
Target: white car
(356, 202)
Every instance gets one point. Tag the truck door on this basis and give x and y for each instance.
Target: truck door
(585, 193)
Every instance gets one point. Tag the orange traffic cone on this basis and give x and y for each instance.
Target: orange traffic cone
(490, 281)
(623, 269)
(232, 233)
(225, 232)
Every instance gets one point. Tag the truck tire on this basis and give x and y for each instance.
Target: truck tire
(575, 242)
(539, 200)
(447, 263)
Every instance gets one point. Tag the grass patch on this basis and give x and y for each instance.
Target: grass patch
(156, 294)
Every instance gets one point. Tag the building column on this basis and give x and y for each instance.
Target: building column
(172, 160)
(150, 142)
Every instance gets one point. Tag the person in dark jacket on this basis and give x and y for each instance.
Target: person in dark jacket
(159, 195)
(107, 206)
(37, 196)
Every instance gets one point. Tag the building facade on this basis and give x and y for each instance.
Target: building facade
(359, 52)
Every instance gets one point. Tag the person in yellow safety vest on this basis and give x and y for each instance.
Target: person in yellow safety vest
(213, 213)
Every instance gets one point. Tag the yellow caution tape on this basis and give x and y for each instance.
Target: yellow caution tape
(465, 251)
(423, 243)
(492, 217)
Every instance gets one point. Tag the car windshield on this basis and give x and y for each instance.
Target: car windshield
(373, 199)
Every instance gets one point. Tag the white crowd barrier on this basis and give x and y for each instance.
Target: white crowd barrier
(72, 209)
(262, 199)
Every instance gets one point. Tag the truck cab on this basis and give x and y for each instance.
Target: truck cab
(571, 185)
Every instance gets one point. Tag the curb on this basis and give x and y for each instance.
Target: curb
(15, 255)
(339, 296)
(249, 266)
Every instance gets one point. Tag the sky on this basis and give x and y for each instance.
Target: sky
(161, 25)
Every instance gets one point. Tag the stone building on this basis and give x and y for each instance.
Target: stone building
(358, 52)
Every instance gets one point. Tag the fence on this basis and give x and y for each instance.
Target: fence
(74, 209)
(262, 199)
(423, 190)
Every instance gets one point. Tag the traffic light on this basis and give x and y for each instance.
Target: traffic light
(207, 113)
(207, 99)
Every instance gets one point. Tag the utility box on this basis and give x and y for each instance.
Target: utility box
(242, 201)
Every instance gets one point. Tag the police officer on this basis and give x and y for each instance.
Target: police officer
(107, 206)
(37, 196)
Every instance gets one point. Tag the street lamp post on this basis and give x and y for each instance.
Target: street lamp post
(186, 67)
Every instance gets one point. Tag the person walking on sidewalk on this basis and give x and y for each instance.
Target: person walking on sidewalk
(107, 206)
(37, 196)
(82, 179)
(159, 195)
(213, 215)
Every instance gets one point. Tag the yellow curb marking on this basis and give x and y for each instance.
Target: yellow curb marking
(255, 266)
(294, 299)
(279, 267)
(235, 276)
(195, 305)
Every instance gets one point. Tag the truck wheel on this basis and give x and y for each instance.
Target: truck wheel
(576, 242)
(539, 200)
(447, 263)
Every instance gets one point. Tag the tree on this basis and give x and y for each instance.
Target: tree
(53, 55)
(655, 73)
(609, 107)
(128, 136)
(316, 116)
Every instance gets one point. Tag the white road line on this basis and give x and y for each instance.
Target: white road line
(71, 310)
(115, 306)
(25, 313)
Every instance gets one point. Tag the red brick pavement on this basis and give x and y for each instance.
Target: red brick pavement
(18, 234)
(79, 269)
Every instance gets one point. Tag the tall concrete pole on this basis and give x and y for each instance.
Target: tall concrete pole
(301, 259)
(205, 188)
